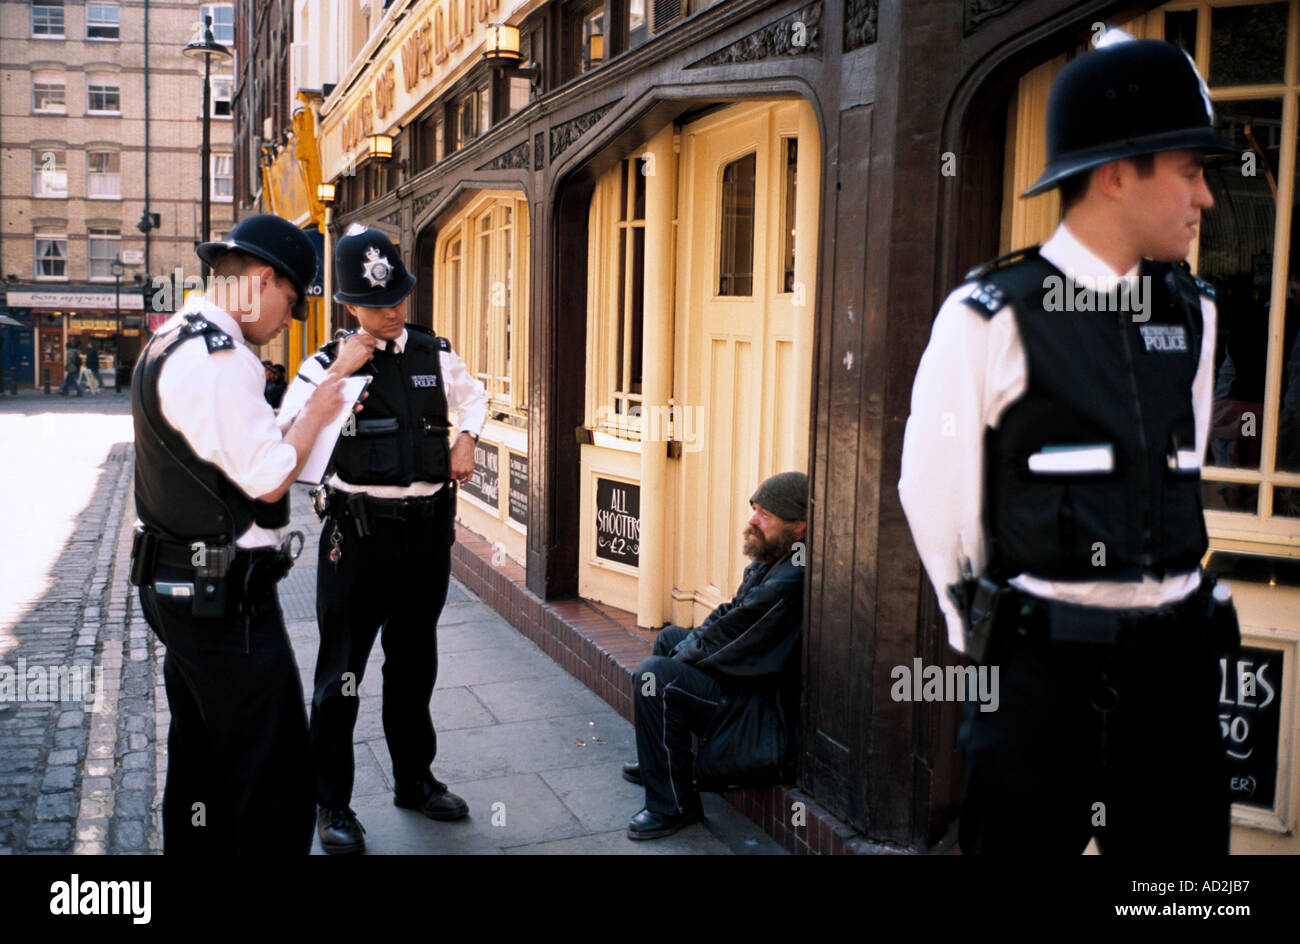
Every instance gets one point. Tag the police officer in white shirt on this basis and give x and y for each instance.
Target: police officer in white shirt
(211, 476)
(1050, 476)
(389, 509)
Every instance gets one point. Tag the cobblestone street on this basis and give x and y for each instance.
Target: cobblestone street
(533, 751)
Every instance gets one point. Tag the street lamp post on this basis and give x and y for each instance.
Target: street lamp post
(205, 46)
(118, 269)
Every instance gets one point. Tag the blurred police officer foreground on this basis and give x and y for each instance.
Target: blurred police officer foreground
(1051, 479)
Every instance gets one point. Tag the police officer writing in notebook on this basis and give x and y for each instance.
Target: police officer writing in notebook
(211, 476)
(1050, 476)
(385, 549)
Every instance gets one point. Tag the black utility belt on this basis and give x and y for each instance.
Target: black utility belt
(209, 569)
(337, 502)
(1198, 616)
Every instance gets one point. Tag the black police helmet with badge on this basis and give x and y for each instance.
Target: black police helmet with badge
(276, 241)
(1125, 98)
(368, 270)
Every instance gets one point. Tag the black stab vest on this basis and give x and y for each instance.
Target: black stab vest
(1096, 378)
(177, 494)
(401, 432)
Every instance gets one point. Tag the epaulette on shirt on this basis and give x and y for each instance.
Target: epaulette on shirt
(443, 343)
(213, 337)
(328, 351)
(1202, 286)
(986, 298)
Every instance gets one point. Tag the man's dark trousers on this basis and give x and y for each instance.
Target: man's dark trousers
(673, 700)
(395, 578)
(1046, 770)
(238, 758)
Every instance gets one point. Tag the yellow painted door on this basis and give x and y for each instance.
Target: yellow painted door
(735, 338)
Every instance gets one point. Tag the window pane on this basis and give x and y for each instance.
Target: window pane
(1286, 502)
(1229, 496)
(638, 183)
(1180, 29)
(485, 304)
(1236, 256)
(620, 351)
(736, 241)
(636, 24)
(223, 23)
(49, 174)
(1288, 417)
(51, 257)
(787, 230)
(103, 97)
(638, 306)
(49, 96)
(593, 40)
(47, 19)
(102, 21)
(104, 178)
(1247, 44)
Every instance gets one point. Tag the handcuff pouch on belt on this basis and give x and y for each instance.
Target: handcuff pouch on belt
(984, 605)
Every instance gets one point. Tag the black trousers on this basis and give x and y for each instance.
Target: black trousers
(673, 701)
(238, 758)
(1047, 770)
(394, 580)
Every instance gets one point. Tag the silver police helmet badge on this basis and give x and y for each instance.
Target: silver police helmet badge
(377, 269)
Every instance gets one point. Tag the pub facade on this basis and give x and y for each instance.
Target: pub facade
(686, 245)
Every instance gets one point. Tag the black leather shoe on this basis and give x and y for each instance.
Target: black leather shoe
(340, 832)
(432, 798)
(651, 825)
(632, 773)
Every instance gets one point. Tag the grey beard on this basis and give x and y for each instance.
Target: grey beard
(765, 551)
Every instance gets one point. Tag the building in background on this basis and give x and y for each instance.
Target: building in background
(100, 155)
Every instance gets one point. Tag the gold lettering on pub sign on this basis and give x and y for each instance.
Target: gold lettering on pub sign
(385, 90)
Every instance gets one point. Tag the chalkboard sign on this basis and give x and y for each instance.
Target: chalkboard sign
(484, 484)
(618, 521)
(1250, 716)
(518, 487)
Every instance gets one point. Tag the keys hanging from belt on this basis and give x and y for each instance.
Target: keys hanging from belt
(336, 544)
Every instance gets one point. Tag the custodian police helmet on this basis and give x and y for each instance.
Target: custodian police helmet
(1125, 98)
(368, 270)
(276, 241)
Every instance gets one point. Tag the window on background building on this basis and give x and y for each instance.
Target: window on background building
(49, 93)
(471, 116)
(47, 19)
(638, 24)
(482, 302)
(104, 96)
(102, 20)
(103, 175)
(223, 22)
(51, 259)
(220, 96)
(521, 88)
(49, 173)
(223, 178)
(103, 245)
(616, 296)
(593, 39)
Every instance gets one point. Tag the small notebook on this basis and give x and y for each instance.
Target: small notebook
(313, 471)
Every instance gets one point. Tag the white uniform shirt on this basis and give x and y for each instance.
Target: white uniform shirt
(466, 396)
(972, 370)
(216, 401)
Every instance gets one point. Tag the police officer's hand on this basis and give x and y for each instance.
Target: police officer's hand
(354, 350)
(324, 403)
(462, 458)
